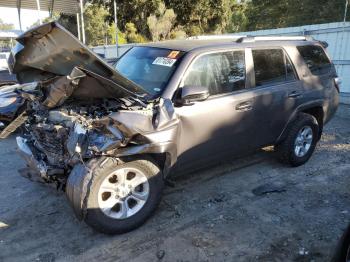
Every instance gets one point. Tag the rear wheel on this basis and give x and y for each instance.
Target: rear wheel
(123, 196)
(300, 142)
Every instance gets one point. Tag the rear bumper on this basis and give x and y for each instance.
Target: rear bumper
(35, 166)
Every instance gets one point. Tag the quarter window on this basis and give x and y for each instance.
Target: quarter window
(220, 72)
(316, 59)
(272, 66)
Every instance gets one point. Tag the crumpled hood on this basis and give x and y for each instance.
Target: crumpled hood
(50, 50)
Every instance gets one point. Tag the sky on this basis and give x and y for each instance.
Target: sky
(29, 17)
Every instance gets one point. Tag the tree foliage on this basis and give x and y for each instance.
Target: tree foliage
(6, 26)
(140, 20)
(131, 34)
(96, 25)
(161, 23)
(263, 14)
(202, 16)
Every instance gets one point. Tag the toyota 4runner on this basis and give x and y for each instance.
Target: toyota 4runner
(109, 136)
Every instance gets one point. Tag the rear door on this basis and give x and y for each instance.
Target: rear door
(277, 93)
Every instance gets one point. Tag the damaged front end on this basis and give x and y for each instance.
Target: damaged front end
(91, 112)
(62, 132)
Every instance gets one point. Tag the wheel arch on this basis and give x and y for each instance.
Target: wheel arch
(314, 108)
(162, 159)
(318, 113)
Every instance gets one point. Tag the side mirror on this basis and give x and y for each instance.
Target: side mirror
(192, 94)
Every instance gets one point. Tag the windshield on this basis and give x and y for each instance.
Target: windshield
(149, 67)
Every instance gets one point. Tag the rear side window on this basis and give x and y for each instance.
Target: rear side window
(316, 59)
(272, 66)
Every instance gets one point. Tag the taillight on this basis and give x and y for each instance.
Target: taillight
(337, 83)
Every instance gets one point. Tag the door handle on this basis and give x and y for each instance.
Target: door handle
(244, 106)
(294, 94)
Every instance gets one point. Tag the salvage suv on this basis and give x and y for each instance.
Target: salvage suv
(110, 136)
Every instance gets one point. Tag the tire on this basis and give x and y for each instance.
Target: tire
(109, 222)
(287, 151)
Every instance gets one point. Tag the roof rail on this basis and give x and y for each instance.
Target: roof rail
(213, 37)
(273, 38)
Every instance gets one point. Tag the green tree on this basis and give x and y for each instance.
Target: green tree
(161, 23)
(134, 11)
(131, 34)
(96, 27)
(178, 33)
(218, 16)
(239, 20)
(112, 36)
(6, 26)
(265, 14)
(202, 16)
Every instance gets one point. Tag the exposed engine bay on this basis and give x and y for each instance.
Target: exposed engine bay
(74, 108)
(63, 128)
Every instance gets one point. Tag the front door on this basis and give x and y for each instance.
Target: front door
(222, 124)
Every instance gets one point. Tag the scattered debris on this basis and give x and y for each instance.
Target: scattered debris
(268, 189)
(303, 251)
(47, 257)
(220, 198)
(160, 254)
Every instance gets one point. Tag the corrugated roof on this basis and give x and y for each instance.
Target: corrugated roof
(61, 6)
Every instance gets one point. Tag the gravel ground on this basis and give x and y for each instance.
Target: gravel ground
(219, 214)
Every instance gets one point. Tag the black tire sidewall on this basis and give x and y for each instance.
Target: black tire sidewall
(303, 121)
(99, 221)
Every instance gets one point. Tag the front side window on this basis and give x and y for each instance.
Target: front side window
(149, 67)
(222, 72)
(272, 66)
(315, 59)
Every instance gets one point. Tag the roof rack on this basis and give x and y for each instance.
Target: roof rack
(214, 37)
(247, 39)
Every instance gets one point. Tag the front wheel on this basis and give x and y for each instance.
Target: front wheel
(300, 142)
(123, 196)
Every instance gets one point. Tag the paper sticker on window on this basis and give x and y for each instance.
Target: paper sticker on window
(164, 61)
(173, 54)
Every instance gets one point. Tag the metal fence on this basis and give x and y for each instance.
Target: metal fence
(110, 51)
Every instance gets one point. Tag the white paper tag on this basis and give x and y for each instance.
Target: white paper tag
(164, 61)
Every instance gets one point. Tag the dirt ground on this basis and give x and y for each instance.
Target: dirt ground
(218, 214)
